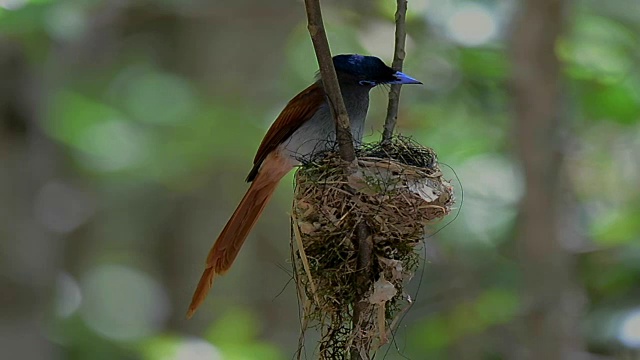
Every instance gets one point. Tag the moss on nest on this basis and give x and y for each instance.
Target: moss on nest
(397, 190)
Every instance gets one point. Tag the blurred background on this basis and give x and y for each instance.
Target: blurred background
(127, 128)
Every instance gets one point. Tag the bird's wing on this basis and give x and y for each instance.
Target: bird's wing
(300, 109)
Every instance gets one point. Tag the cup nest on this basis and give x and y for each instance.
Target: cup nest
(396, 191)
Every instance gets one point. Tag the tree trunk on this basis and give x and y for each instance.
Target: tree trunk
(548, 328)
(29, 253)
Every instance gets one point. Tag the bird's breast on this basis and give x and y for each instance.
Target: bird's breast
(319, 133)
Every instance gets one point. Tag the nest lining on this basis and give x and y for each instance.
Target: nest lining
(397, 190)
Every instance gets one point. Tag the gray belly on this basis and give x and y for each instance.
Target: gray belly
(318, 134)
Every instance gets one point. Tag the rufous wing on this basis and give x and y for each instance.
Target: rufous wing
(300, 109)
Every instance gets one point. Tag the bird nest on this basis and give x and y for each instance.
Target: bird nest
(397, 189)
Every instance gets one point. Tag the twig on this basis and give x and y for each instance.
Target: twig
(398, 59)
(303, 256)
(330, 80)
(361, 345)
(359, 349)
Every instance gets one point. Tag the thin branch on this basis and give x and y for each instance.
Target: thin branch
(361, 306)
(330, 80)
(398, 60)
(343, 136)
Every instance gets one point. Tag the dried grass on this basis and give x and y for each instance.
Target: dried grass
(397, 190)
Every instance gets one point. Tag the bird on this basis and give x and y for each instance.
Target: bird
(304, 127)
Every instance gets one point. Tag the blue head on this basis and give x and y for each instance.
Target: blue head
(369, 70)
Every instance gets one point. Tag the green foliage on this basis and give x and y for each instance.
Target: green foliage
(236, 334)
(617, 228)
(618, 101)
(599, 48)
(301, 60)
(491, 308)
(117, 132)
(232, 337)
(144, 94)
(23, 21)
(484, 63)
(161, 347)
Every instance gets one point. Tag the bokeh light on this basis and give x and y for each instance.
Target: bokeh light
(629, 333)
(114, 145)
(153, 97)
(471, 24)
(490, 198)
(66, 21)
(68, 295)
(196, 349)
(62, 208)
(12, 4)
(123, 303)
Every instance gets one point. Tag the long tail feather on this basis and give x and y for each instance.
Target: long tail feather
(232, 237)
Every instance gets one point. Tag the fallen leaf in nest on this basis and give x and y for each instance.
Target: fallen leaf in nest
(359, 183)
(303, 205)
(397, 271)
(424, 189)
(305, 208)
(306, 227)
(329, 214)
(383, 291)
